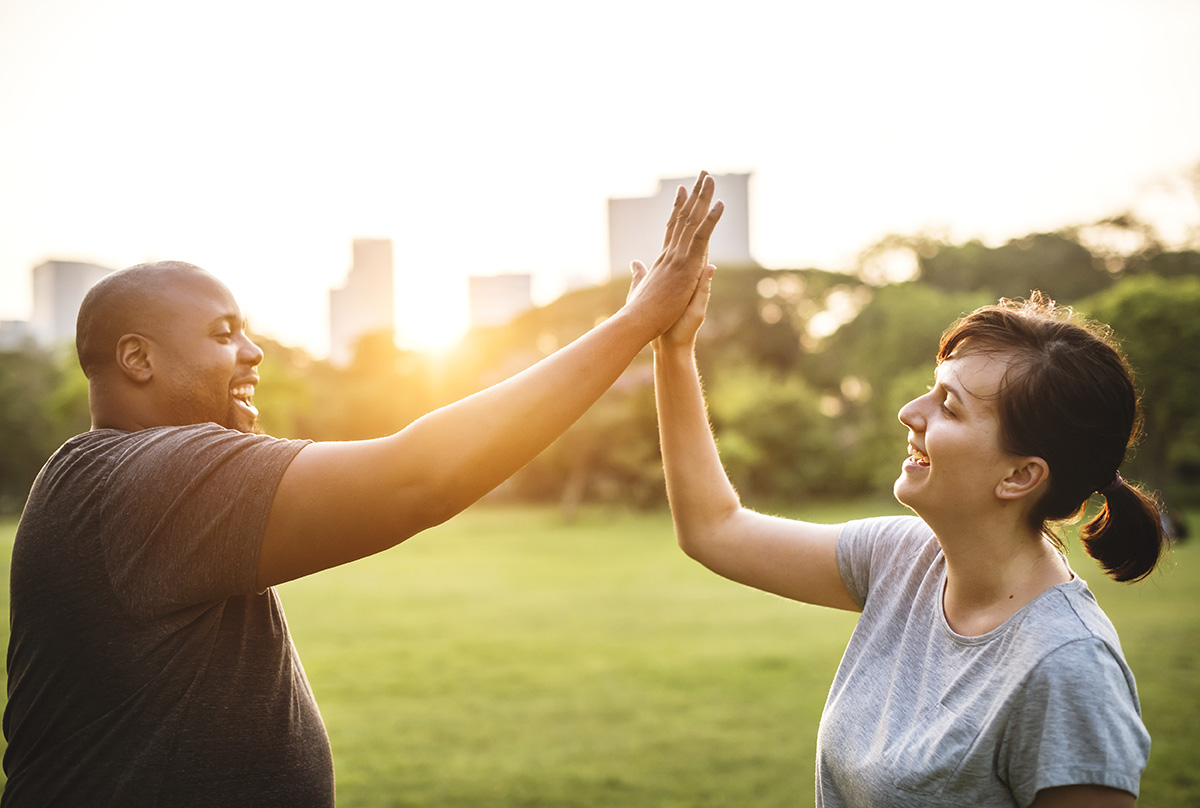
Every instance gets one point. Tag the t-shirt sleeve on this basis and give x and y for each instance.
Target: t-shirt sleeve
(186, 509)
(1075, 721)
(867, 548)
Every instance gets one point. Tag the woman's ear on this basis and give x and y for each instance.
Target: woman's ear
(1023, 479)
(133, 358)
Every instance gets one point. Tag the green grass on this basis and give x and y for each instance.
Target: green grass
(508, 659)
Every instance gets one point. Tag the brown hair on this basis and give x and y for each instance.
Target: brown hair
(1068, 397)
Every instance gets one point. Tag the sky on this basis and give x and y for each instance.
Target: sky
(258, 138)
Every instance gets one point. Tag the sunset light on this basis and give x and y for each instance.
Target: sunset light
(259, 139)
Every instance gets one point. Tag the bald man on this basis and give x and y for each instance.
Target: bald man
(149, 661)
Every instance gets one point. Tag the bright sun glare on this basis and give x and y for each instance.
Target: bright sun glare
(430, 318)
(471, 171)
(433, 332)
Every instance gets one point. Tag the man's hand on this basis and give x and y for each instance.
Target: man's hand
(662, 293)
(682, 334)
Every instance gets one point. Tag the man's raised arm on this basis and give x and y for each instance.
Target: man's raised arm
(341, 501)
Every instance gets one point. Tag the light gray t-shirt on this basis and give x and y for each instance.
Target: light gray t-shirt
(921, 716)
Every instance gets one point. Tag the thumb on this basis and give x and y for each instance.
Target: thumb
(639, 274)
(704, 287)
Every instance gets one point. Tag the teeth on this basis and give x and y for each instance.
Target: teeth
(917, 454)
(245, 394)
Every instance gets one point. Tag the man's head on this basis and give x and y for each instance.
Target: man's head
(164, 344)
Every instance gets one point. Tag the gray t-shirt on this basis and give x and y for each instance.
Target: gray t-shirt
(921, 716)
(144, 667)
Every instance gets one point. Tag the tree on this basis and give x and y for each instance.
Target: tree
(43, 402)
(610, 455)
(1158, 323)
(775, 441)
(1055, 263)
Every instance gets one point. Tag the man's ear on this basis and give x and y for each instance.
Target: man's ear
(133, 357)
(1024, 478)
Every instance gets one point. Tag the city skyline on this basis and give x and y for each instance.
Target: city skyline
(487, 140)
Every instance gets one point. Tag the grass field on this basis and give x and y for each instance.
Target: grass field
(508, 659)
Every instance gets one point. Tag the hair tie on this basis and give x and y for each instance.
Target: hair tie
(1118, 482)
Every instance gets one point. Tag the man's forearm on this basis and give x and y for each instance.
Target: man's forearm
(469, 447)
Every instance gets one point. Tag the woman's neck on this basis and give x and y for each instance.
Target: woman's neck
(992, 574)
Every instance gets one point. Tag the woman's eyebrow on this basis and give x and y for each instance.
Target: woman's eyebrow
(954, 390)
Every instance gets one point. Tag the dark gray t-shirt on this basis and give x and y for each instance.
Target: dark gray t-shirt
(921, 716)
(144, 667)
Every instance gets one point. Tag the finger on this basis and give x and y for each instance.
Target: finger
(698, 248)
(638, 270)
(690, 209)
(705, 288)
(681, 196)
(696, 210)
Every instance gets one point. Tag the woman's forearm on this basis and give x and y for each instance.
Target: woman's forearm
(699, 491)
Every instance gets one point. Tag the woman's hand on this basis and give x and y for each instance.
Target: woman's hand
(682, 334)
(659, 293)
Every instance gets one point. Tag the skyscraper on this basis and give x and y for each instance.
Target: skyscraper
(496, 300)
(635, 225)
(365, 304)
(58, 290)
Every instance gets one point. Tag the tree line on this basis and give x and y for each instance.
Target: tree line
(805, 370)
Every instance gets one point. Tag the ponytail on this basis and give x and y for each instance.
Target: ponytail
(1127, 537)
(1069, 397)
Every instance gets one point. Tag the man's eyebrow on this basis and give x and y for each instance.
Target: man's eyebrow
(232, 320)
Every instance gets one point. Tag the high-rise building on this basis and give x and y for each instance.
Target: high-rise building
(58, 290)
(14, 335)
(636, 225)
(495, 300)
(365, 304)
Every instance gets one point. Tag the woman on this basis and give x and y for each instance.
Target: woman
(981, 672)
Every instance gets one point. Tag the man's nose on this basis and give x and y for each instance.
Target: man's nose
(251, 353)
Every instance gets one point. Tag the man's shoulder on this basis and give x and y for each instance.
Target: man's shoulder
(206, 444)
(152, 450)
(105, 438)
(186, 434)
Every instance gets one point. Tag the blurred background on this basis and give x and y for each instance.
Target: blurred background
(414, 200)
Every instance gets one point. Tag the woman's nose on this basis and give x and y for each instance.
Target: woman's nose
(910, 415)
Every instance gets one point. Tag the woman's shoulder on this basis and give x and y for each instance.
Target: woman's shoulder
(898, 533)
(1066, 620)
(870, 550)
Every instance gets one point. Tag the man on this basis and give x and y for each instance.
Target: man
(149, 661)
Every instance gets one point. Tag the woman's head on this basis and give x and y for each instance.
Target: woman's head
(1068, 397)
